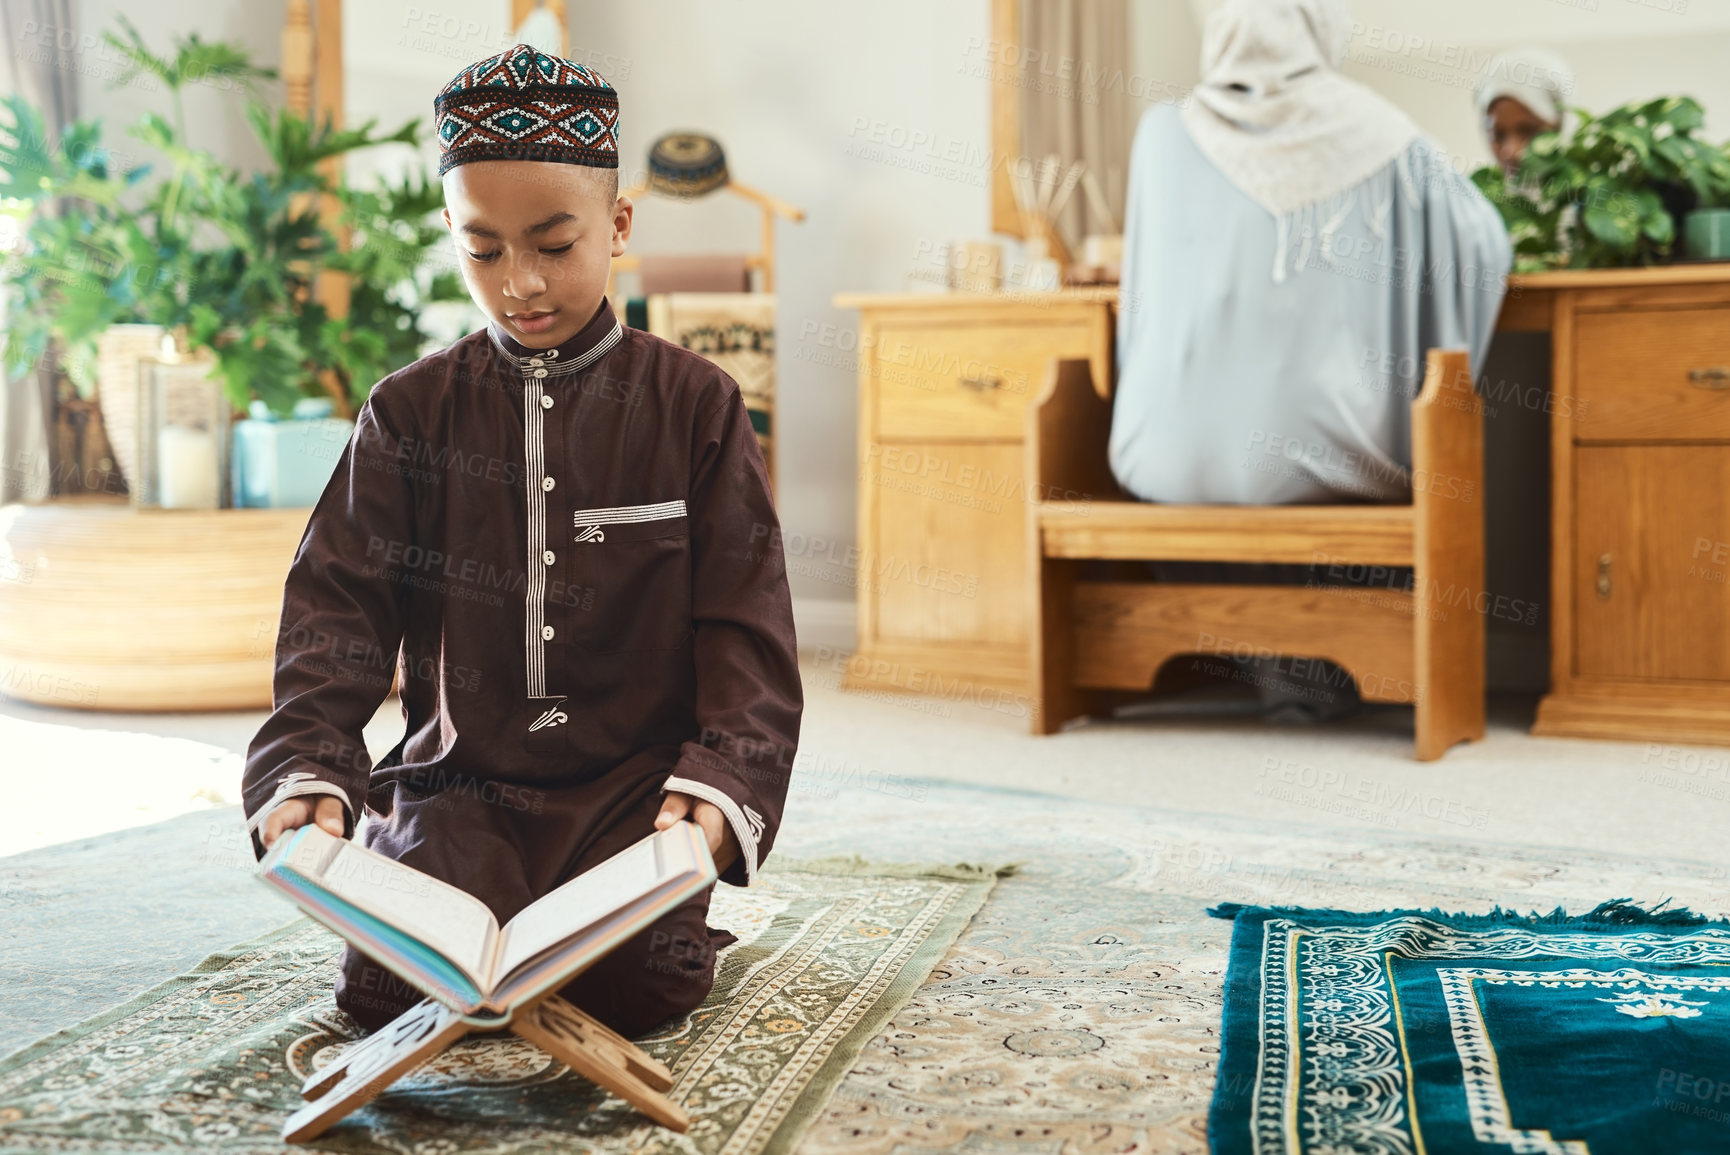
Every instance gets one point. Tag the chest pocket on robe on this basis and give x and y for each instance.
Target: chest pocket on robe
(630, 568)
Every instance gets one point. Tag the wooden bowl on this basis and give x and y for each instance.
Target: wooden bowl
(108, 607)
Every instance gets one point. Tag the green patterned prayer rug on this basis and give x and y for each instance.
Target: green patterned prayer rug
(213, 1059)
(1421, 1032)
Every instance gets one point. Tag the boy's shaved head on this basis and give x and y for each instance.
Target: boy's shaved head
(606, 182)
(601, 184)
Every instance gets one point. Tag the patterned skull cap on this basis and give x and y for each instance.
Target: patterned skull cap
(525, 105)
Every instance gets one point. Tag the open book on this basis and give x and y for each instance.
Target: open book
(447, 943)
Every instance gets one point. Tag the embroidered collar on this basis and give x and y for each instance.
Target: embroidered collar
(584, 348)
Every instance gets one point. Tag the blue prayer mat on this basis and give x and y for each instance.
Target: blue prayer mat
(1428, 1033)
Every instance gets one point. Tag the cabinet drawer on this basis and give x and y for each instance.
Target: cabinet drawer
(1657, 374)
(965, 381)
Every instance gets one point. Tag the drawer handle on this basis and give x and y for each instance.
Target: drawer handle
(982, 383)
(1603, 575)
(1711, 377)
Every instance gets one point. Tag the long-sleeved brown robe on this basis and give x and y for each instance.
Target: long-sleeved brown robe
(575, 549)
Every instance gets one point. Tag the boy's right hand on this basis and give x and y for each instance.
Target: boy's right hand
(297, 812)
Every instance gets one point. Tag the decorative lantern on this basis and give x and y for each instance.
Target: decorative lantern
(183, 432)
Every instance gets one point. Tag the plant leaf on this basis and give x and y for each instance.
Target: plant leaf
(1617, 227)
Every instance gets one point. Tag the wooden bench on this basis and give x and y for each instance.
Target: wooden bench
(1097, 635)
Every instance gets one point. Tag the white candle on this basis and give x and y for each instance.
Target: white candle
(186, 468)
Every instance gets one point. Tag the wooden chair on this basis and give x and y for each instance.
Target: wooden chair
(1094, 639)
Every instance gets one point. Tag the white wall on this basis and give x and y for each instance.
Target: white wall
(793, 89)
(215, 119)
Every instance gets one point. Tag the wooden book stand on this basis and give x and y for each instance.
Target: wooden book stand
(600, 1055)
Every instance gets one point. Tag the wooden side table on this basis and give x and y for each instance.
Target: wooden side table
(107, 607)
(1640, 525)
(944, 384)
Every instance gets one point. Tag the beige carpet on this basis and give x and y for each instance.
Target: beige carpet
(1634, 797)
(1079, 1011)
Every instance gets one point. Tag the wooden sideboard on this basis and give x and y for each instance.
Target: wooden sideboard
(944, 385)
(1640, 493)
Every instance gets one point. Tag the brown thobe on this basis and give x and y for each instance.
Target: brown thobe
(569, 559)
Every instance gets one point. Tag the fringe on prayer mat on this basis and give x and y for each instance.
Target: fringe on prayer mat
(213, 1059)
(1415, 1030)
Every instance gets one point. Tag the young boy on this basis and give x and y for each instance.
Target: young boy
(560, 521)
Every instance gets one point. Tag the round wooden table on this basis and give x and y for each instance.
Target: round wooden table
(107, 607)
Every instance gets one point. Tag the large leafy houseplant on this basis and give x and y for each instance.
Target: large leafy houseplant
(1610, 194)
(230, 259)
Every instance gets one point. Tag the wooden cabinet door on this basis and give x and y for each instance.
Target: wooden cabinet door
(948, 561)
(1652, 562)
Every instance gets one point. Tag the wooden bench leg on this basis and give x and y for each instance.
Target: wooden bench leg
(1056, 697)
(1448, 556)
(1068, 431)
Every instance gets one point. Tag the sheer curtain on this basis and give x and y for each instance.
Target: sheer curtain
(36, 69)
(1077, 101)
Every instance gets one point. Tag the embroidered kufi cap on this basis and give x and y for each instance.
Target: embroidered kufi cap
(687, 164)
(523, 104)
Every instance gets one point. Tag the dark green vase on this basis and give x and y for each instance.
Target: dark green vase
(1706, 235)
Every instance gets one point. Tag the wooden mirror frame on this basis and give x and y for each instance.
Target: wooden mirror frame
(312, 81)
(1006, 90)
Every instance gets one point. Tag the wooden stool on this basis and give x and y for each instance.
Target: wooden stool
(1093, 638)
(593, 1051)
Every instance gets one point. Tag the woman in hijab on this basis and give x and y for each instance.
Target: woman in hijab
(1519, 96)
(1292, 248)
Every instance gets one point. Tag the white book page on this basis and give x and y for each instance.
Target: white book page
(585, 899)
(457, 925)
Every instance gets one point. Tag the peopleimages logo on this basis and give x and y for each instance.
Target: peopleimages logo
(1379, 799)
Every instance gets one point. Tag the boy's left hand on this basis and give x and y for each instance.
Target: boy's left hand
(723, 846)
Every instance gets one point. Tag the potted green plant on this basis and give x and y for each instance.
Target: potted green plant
(1614, 192)
(227, 261)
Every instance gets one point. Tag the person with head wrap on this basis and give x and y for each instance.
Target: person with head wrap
(1520, 95)
(558, 534)
(1293, 246)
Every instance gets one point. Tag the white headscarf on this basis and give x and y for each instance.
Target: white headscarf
(1538, 79)
(1273, 113)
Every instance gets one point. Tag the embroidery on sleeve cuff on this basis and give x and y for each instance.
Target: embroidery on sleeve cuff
(746, 830)
(296, 785)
